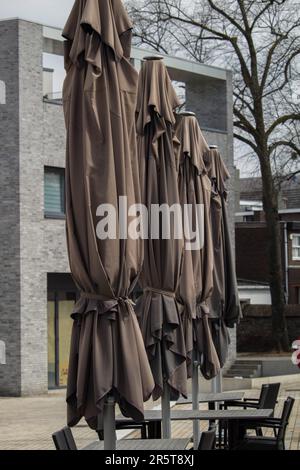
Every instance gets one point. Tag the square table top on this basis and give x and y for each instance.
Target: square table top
(220, 414)
(143, 444)
(205, 415)
(212, 397)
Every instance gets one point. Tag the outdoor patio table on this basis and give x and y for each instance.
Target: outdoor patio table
(144, 444)
(212, 398)
(231, 416)
(154, 428)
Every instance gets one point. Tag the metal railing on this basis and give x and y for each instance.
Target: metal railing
(54, 98)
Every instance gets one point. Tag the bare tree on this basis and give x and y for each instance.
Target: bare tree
(260, 42)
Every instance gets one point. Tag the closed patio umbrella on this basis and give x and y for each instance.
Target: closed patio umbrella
(224, 305)
(108, 356)
(158, 310)
(196, 283)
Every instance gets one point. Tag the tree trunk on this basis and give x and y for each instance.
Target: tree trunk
(270, 201)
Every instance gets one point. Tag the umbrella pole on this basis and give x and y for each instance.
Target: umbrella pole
(195, 399)
(166, 412)
(217, 383)
(219, 378)
(109, 424)
(217, 386)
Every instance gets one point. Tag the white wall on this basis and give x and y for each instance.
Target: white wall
(256, 295)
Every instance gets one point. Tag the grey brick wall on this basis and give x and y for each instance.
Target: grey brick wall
(10, 319)
(55, 258)
(32, 135)
(208, 98)
(33, 279)
(43, 244)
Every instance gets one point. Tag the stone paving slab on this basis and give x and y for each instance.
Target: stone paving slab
(28, 423)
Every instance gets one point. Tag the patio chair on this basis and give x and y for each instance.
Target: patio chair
(207, 440)
(60, 441)
(267, 400)
(64, 440)
(279, 426)
(70, 439)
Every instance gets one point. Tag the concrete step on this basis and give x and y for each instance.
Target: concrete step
(244, 376)
(243, 373)
(245, 363)
(243, 368)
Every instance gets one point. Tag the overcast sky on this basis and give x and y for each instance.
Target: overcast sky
(48, 12)
(51, 13)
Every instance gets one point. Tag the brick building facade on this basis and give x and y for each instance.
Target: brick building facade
(36, 289)
(252, 240)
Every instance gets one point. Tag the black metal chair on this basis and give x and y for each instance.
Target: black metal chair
(64, 440)
(60, 441)
(207, 440)
(267, 400)
(279, 426)
(70, 439)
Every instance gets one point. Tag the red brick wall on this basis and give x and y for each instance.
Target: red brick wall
(293, 217)
(254, 333)
(252, 257)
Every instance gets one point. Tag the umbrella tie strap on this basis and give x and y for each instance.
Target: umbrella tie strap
(160, 291)
(122, 301)
(203, 307)
(128, 304)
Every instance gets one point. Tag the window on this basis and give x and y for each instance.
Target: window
(296, 247)
(54, 193)
(60, 307)
(2, 92)
(2, 353)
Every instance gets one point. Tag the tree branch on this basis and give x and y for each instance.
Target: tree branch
(292, 175)
(245, 122)
(283, 120)
(284, 143)
(244, 139)
(220, 35)
(271, 54)
(229, 18)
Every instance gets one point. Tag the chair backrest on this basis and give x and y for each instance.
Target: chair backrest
(60, 441)
(269, 396)
(70, 439)
(263, 392)
(207, 440)
(285, 416)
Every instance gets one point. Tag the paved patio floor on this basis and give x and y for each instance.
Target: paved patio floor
(27, 423)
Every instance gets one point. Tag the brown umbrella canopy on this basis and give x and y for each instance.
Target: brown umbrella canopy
(224, 303)
(196, 283)
(107, 350)
(157, 308)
